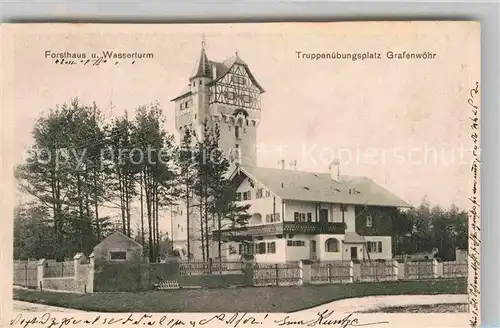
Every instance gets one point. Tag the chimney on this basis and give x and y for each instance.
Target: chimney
(282, 163)
(334, 169)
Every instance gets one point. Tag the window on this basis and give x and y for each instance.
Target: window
(241, 249)
(271, 248)
(302, 217)
(230, 95)
(332, 245)
(268, 193)
(369, 221)
(374, 246)
(238, 80)
(260, 248)
(246, 100)
(237, 132)
(117, 255)
(272, 217)
(238, 196)
(295, 243)
(259, 193)
(246, 195)
(186, 104)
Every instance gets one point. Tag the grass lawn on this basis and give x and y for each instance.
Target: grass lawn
(249, 299)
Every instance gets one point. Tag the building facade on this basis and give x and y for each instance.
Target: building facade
(311, 216)
(294, 215)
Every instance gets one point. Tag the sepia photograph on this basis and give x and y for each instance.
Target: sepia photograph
(268, 174)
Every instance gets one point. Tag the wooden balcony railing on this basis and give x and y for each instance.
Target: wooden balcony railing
(279, 228)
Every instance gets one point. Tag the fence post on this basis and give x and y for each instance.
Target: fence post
(395, 268)
(434, 268)
(40, 266)
(329, 270)
(306, 273)
(277, 275)
(76, 261)
(351, 271)
(25, 275)
(301, 273)
(210, 265)
(90, 277)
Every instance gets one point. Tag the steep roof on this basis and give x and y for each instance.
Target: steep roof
(203, 67)
(320, 187)
(221, 70)
(118, 238)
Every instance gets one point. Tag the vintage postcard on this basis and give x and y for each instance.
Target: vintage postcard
(251, 175)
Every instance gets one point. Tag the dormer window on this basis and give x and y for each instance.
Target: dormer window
(369, 221)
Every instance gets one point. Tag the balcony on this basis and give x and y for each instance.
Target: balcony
(279, 228)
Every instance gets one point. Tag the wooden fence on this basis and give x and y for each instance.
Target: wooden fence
(420, 270)
(25, 274)
(59, 269)
(210, 267)
(278, 274)
(378, 270)
(455, 269)
(331, 272)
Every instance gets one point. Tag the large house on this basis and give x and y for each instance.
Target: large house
(294, 215)
(304, 215)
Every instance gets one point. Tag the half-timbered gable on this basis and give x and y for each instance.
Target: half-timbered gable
(237, 87)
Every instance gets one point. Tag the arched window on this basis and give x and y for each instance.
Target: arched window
(332, 245)
(256, 218)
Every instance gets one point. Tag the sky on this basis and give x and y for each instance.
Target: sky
(404, 123)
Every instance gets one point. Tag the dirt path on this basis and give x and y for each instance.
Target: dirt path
(375, 302)
(20, 306)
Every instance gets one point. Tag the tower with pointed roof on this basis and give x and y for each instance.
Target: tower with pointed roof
(224, 93)
(227, 94)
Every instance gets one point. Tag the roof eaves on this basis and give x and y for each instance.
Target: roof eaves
(181, 96)
(267, 187)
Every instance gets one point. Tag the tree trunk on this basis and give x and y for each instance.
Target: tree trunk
(147, 189)
(128, 179)
(188, 235)
(80, 209)
(219, 240)
(122, 203)
(96, 207)
(142, 210)
(202, 230)
(157, 224)
(207, 239)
